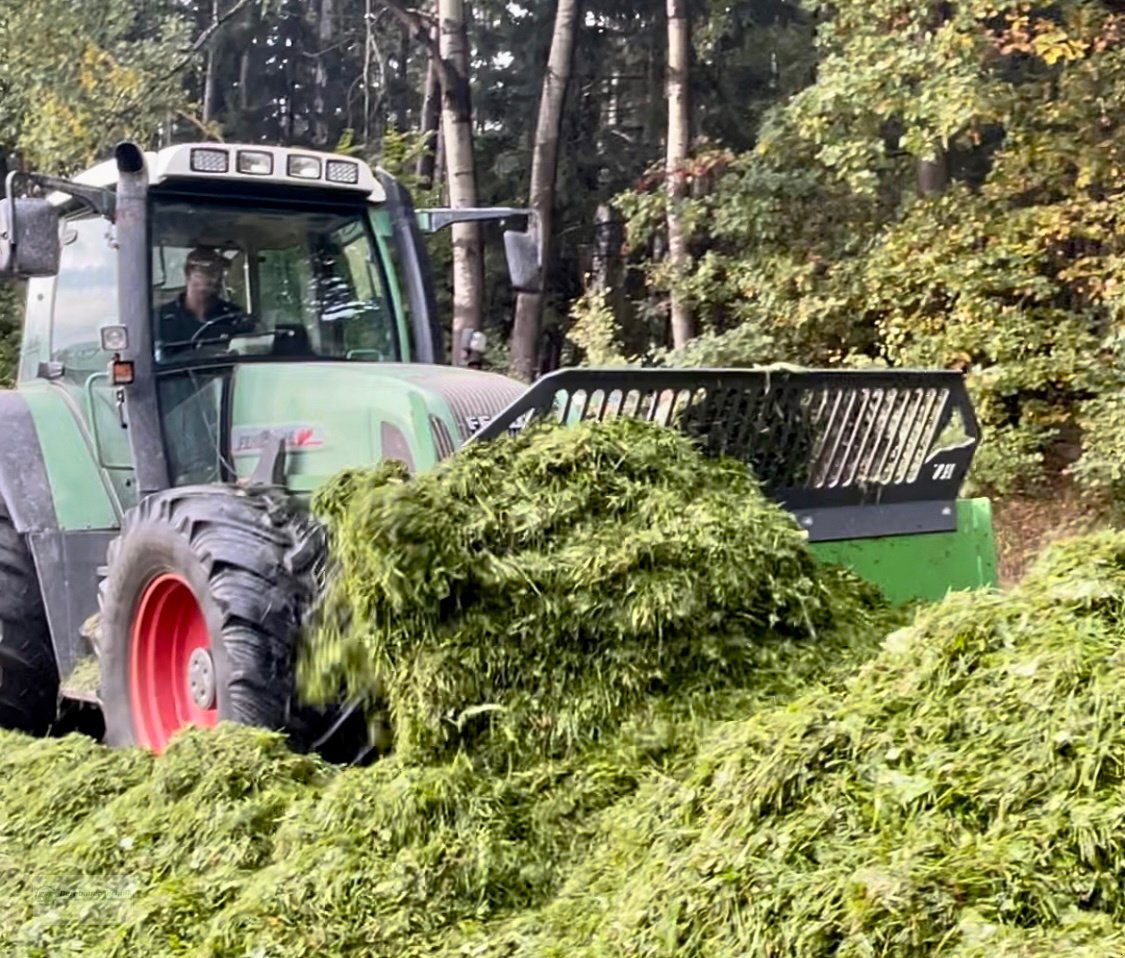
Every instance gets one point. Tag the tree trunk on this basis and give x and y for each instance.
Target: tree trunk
(325, 33)
(679, 47)
(544, 167)
(210, 81)
(431, 118)
(933, 174)
(457, 126)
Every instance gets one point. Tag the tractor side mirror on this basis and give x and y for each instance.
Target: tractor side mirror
(523, 260)
(29, 237)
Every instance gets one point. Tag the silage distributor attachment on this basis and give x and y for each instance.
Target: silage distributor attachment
(853, 454)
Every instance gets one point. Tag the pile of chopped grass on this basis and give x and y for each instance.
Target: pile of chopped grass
(599, 596)
(963, 795)
(527, 595)
(960, 793)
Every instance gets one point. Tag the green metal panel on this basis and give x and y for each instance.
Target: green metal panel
(339, 410)
(924, 566)
(82, 498)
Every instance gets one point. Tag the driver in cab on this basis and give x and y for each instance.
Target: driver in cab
(200, 304)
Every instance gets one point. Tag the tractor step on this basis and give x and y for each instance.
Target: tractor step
(851, 453)
(81, 685)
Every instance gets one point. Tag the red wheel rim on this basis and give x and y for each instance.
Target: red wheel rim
(167, 630)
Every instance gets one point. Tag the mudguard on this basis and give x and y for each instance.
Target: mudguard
(66, 555)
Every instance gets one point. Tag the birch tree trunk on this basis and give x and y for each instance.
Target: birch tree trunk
(679, 126)
(325, 34)
(544, 168)
(431, 118)
(457, 128)
(210, 82)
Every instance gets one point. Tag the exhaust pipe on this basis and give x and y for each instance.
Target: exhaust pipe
(141, 407)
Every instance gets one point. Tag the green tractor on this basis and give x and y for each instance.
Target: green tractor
(212, 331)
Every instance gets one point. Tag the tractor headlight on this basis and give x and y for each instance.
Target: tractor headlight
(305, 167)
(115, 339)
(255, 162)
(342, 171)
(210, 161)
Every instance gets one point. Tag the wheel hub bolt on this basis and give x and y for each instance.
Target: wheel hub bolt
(201, 679)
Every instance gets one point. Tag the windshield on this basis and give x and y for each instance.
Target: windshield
(255, 282)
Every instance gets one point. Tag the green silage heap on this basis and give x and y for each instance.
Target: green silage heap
(956, 792)
(528, 595)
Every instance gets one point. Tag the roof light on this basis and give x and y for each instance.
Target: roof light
(255, 162)
(342, 171)
(305, 167)
(210, 161)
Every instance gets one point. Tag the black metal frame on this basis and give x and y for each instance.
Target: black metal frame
(851, 453)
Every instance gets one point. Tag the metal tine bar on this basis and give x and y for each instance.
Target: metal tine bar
(894, 421)
(759, 443)
(564, 415)
(833, 469)
(910, 410)
(681, 409)
(725, 409)
(916, 436)
(931, 426)
(867, 446)
(816, 430)
(902, 467)
(850, 448)
(865, 422)
(794, 455)
(777, 422)
(602, 405)
(883, 437)
(788, 448)
(696, 414)
(823, 464)
(654, 395)
(743, 442)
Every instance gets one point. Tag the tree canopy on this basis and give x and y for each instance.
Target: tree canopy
(923, 184)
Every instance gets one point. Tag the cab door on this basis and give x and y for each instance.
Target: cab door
(84, 300)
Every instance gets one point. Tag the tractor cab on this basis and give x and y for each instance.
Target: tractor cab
(208, 296)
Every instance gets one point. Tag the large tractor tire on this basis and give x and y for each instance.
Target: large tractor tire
(29, 677)
(201, 608)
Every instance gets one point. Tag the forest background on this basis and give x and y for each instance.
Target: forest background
(720, 182)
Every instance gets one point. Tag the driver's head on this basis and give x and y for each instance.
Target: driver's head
(203, 271)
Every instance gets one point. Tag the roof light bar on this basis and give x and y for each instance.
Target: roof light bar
(205, 160)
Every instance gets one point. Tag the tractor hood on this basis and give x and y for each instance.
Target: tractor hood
(340, 415)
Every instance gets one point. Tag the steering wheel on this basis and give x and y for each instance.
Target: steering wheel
(243, 323)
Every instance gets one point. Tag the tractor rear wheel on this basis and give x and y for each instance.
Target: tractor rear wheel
(202, 605)
(29, 677)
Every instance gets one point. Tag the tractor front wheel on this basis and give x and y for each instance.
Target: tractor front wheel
(201, 608)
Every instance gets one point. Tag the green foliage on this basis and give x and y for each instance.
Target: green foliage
(10, 312)
(78, 77)
(594, 330)
(472, 599)
(818, 240)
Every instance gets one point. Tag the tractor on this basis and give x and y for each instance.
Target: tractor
(214, 330)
